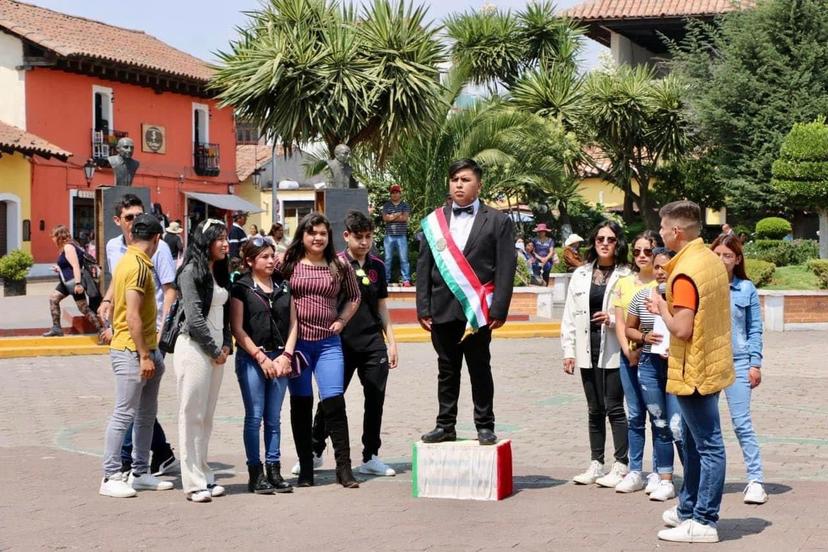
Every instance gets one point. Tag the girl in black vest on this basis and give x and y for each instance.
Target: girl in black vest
(263, 320)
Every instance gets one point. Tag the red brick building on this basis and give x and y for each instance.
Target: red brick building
(81, 84)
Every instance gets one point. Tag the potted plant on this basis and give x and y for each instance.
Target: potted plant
(14, 268)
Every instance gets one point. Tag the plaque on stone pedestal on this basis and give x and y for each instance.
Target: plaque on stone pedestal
(335, 203)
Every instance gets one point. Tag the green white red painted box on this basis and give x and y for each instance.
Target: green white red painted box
(463, 470)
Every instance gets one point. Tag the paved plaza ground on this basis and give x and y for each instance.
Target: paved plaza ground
(53, 412)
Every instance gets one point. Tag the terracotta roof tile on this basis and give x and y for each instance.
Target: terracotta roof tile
(13, 139)
(251, 157)
(644, 9)
(72, 36)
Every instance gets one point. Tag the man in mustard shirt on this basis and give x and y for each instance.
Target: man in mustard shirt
(697, 313)
(136, 362)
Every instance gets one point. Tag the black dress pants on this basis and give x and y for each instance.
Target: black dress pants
(605, 399)
(450, 352)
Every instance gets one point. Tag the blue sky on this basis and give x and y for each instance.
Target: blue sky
(201, 27)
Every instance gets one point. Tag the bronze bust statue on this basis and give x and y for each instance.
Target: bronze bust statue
(341, 169)
(123, 165)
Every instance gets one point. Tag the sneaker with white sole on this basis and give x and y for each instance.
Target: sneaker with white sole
(116, 486)
(755, 493)
(317, 463)
(148, 482)
(690, 530)
(215, 490)
(631, 483)
(652, 482)
(375, 466)
(614, 477)
(665, 491)
(199, 496)
(170, 464)
(592, 473)
(670, 517)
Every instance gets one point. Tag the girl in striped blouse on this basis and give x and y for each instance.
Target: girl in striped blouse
(326, 295)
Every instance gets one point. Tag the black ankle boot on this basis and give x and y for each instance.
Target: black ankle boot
(336, 419)
(274, 476)
(257, 482)
(301, 422)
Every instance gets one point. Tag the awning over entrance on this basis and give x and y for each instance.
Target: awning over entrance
(226, 201)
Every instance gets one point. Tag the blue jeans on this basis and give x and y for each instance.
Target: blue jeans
(636, 414)
(704, 459)
(400, 243)
(663, 407)
(262, 398)
(325, 360)
(738, 402)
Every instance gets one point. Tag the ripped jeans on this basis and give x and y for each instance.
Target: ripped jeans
(664, 411)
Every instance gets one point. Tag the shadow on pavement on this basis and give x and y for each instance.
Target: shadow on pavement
(736, 528)
(770, 488)
(527, 482)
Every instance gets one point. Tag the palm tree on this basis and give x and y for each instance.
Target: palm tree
(306, 70)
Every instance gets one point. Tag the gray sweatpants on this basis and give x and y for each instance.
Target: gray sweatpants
(136, 401)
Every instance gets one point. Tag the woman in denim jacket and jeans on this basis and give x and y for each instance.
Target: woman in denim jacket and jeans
(747, 360)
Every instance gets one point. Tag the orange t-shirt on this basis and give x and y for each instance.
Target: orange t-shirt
(685, 294)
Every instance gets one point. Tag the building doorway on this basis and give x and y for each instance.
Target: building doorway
(4, 244)
(83, 214)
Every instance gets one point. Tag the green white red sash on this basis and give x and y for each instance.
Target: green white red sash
(474, 297)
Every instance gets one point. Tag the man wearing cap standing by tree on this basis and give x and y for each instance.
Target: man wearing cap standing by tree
(237, 236)
(395, 214)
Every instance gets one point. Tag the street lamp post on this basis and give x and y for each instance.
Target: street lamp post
(89, 171)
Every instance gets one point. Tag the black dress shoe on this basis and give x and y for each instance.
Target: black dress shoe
(486, 436)
(438, 435)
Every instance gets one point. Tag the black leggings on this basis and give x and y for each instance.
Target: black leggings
(605, 399)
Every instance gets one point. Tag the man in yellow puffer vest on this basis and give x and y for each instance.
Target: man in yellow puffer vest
(697, 313)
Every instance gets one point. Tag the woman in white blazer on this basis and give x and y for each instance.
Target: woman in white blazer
(590, 344)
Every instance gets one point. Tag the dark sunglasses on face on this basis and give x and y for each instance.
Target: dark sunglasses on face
(647, 252)
(259, 241)
(606, 239)
(130, 217)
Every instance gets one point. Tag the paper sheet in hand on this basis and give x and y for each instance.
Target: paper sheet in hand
(660, 327)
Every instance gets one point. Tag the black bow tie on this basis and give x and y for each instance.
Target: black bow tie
(457, 210)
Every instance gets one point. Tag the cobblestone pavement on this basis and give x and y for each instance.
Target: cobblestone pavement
(53, 412)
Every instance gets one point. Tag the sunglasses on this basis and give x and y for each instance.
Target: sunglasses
(130, 217)
(606, 239)
(259, 241)
(647, 252)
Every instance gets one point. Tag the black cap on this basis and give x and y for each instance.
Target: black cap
(146, 226)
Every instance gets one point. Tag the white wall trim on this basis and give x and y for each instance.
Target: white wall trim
(13, 221)
(12, 81)
(805, 326)
(204, 108)
(105, 91)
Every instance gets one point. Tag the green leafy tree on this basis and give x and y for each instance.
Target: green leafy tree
(306, 70)
(750, 76)
(801, 172)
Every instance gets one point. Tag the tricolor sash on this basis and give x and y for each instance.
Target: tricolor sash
(474, 297)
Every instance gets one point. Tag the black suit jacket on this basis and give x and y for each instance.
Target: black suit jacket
(490, 251)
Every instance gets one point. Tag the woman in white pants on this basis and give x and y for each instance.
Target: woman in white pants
(201, 352)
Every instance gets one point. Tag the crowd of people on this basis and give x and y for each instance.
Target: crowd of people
(642, 327)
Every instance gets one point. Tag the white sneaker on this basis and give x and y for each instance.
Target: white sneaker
(592, 473)
(215, 490)
(317, 463)
(148, 482)
(615, 476)
(199, 496)
(652, 482)
(690, 530)
(375, 466)
(670, 517)
(116, 486)
(665, 491)
(755, 493)
(632, 482)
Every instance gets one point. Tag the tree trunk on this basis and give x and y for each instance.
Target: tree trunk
(823, 233)
(647, 212)
(628, 203)
(564, 220)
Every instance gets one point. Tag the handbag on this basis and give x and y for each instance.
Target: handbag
(171, 328)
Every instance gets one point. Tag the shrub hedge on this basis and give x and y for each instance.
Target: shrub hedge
(820, 268)
(760, 272)
(772, 228)
(782, 253)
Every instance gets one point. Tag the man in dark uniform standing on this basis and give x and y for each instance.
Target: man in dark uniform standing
(237, 235)
(465, 275)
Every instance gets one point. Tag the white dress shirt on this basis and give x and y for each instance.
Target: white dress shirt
(460, 225)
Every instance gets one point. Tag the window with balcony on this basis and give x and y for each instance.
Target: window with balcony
(205, 155)
(104, 135)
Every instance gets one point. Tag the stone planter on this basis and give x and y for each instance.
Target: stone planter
(13, 288)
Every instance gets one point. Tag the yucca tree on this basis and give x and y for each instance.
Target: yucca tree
(307, 70)
(636, 121)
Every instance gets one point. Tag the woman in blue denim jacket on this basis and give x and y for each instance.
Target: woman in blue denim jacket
(747, 360)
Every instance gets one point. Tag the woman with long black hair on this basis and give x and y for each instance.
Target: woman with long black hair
(201, 352)
(590, 344)
(326, 296)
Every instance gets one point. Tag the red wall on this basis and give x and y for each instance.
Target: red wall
(59, 108)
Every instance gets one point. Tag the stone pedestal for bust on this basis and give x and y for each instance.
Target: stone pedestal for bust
(335, 204)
